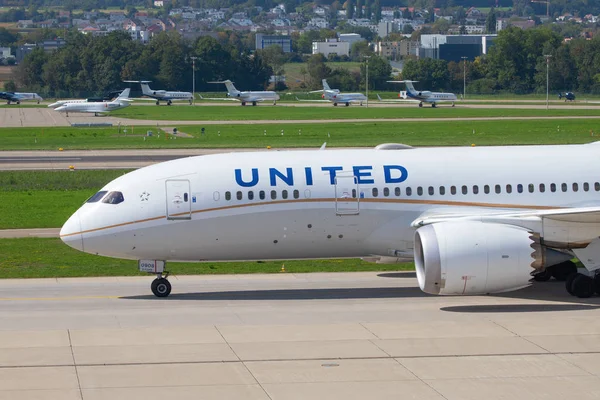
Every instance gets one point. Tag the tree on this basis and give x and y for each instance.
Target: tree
(7, 38)
(359, 6)
(490, 21)
(359, 49)
(431, 74)
(367, 13)
(274, 58)
(380, 72)
(407, 29)
(10, 86)
(377, 10)
(349, 9)
(317, 70)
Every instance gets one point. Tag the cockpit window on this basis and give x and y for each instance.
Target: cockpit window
(114, 198)
(98, 196)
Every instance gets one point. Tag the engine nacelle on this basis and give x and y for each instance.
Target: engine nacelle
(470, 257)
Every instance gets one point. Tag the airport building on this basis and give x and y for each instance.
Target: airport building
(263, 41)
(454, 47)
(47, 45)
(331, 46)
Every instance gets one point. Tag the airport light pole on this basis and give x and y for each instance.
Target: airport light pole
(464, 58)
(367, 83)
(194, 79)
(547, 76)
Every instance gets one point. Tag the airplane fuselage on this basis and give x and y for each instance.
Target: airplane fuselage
(332, 203)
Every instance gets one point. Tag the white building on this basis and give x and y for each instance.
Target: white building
(318, 23)
(331, 46)
(350, 38)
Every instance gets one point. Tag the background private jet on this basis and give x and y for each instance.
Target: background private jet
(246, 97)
(16, 97)
(426, 96)
(163, 95)
(97, 107)
(335, 96)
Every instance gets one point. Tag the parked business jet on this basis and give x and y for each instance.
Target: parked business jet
(478, 219)
(107, 97)
(97, 107)
(16, 97)
(335, 96)
(248, 96)
(163, 95)
(426, 96)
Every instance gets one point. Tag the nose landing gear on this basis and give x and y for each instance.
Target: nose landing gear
(161, 287)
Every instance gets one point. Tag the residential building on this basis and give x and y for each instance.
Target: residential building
(454, 47)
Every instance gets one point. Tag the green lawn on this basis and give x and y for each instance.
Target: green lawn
(50, 258)
(422, 133)
(270, 112)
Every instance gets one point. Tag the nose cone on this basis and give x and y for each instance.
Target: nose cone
(70, 233)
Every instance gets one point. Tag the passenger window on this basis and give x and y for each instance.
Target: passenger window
(508, 188)
(442, 190)
(397, 191)
(420, 191)
(97, 197)
(431, 191)
(273, 194)
(216, 196)
(553, 187)
(531, 187)
(114, 198)
(475, 189)
(386, 192)
(542, 188)
(250, 195)
(520, 188)
(453, 190)
(284, 194)
(408, 191)
(563, 187)
(239, 195)
(575, 187)
(586, 187)
(296, 194)
(227, 196)
(375, 192)
(464, 189)
(597, 186)
(486, 189)
(261, 195)
(498, 189)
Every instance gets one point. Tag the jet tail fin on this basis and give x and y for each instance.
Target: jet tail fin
(124, 94)
(379, 97)
(229, 86)
(326, 85)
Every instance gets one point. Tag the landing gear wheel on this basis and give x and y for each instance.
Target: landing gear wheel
(161, 287)
(243, 103)
(157, 103)
(169, 102)
(452, 104)
(254, 103)
(433, 105)
(597, 283)
(335, 104)
(543, 276)
(420, 104)
(569, 283)
(583, 286)
(563, 270)
(347, 104)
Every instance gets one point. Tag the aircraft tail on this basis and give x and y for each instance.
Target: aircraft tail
(409, 86)
(146, 88)
(379, 97)
(124, 94)
(230, 87)
(325, 85)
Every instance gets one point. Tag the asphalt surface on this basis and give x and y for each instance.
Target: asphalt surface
(286, 336)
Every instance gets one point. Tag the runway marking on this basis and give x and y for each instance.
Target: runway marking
(57, 298)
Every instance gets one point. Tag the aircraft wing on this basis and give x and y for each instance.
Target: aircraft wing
(570, 228)
(314, 101)
(218, 98)
(380, 100)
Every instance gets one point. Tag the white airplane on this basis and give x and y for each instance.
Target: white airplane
(17, 97)
(163, 95)
(335, 96)
(426, 96)
(121, 101)
(478, 219)
(246, 97)
(108, 97)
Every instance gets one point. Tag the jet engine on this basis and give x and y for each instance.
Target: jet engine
(472, 257)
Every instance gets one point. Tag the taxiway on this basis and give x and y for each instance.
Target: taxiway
(287, 336)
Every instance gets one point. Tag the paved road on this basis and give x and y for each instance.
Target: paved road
(286, 336)
(22, 233)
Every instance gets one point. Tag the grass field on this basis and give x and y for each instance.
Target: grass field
(422, 133)
(45, 199)
(50, 258)
(269, 112)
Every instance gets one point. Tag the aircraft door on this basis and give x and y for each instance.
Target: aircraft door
(179, 202)
(347, 195)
